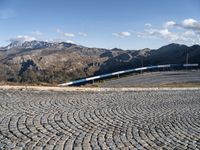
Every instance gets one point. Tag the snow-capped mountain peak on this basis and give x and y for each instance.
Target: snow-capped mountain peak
(36, 44)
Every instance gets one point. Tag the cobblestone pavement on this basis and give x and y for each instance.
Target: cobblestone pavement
(100, 120)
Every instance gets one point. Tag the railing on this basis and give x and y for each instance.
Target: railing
(127, 71)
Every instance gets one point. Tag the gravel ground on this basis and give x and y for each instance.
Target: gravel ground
(42, 120)
(154, 79)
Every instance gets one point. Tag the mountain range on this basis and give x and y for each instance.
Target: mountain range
(57, 62)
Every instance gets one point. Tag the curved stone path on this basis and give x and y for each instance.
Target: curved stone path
(99, 120)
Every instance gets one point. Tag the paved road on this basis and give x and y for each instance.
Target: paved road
(100, 120)
(154, 79)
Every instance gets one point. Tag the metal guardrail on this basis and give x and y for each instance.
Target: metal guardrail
(126, 71)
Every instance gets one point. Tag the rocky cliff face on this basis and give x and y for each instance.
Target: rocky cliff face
(38, 61)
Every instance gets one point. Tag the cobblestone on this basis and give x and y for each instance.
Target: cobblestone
(125, 120)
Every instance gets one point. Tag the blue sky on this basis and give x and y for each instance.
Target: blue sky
(127, 24)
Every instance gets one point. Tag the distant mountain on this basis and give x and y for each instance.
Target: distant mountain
(38, 61)
(169, 54)
(36, 45)
(57, 62)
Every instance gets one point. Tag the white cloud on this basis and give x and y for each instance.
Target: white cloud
(191, 24)
(158, 33)
(70, 41)
(169, 24)
(144, 34)
(37, 33)
(58, 40)
(191, 36)
(65, 33)
(122, 34)
(23, 38)
(58, 30)
(189, 33)
(54, 40)
(69, 34)
(148, 25)
(83, 34)
(166, 34)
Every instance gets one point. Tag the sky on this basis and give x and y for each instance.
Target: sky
(127, 24)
